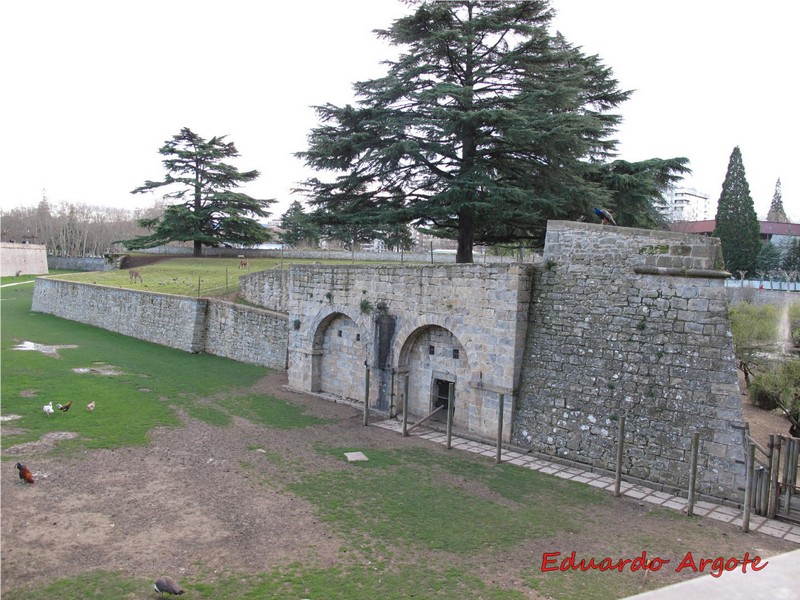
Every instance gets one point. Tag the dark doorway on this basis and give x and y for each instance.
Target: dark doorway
(442, 390)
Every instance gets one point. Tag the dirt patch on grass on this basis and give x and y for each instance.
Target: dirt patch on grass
(44, 444)
(204, 499)
(99, 369)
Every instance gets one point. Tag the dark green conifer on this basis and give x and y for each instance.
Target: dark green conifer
(737, 225)
(209, 212)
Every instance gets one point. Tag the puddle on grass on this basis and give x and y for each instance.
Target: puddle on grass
(43, 348)
(100, 369)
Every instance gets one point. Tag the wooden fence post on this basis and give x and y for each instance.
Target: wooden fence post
(450, 409)
(620, 443)
(500, 427)
(405, 405)
(774, 468)
(366, 394)
(693, 473)
(391, 395)
(748, 487)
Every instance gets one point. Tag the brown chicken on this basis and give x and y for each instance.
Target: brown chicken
(65, 407)
(25, 473)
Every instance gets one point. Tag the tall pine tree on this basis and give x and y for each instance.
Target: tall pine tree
(737, 224)
(210, 212)
(776, 213)
(297, 226)
(483, 130)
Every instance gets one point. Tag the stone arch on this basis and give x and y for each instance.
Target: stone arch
(433, 358)
(411, 327)
(340, 346)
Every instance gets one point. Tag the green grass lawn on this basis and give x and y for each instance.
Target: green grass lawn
(414, 522)
(151, 380)
(185, 276)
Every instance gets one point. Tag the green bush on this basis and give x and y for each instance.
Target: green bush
(778, 387)
(765, 390)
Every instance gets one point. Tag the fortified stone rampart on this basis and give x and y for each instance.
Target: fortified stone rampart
(22, 259)
(613, 322)
(269, 289)
(67, 263)
(242, 333)
(246, 334)
(633, 322)
(432, 330)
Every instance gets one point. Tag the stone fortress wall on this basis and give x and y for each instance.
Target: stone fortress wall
(612, 321)
(242, 333)
(22, 259)
(633, 322)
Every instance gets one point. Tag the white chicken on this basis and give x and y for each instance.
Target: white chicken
(90, 406)
(48, 409)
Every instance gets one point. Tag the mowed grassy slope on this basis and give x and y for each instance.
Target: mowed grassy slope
(185, 276)
(151, 379)
(415, 522)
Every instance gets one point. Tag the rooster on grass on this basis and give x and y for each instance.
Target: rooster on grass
(65, 407)
(24, 473)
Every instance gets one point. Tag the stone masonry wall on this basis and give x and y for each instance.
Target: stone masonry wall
(483, 306)
(246, 334)
(66, 263)
(238, 332)
(22, 259)
(612, 322)
(633, 322)
(160, 318)
(266, 288)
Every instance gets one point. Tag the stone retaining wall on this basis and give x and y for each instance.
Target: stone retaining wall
(22, 259)
(613, 322)
(65, 263)
(238, 332)
(633, 322)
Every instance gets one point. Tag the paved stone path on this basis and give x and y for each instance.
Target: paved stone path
(778, 529)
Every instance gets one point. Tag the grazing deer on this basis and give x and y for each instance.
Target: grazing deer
(133, 274)
(242, 261)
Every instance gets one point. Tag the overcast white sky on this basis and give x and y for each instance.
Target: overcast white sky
(92, 89)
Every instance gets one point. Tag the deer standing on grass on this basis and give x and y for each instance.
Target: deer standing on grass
(242, 261)
(133, 274)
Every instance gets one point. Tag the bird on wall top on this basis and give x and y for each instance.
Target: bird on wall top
(605, 217)
(167, 585)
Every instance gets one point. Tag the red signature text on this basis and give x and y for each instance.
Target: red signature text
(553, 561)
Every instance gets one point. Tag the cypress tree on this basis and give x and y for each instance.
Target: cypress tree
(737, 223)
(776, 213)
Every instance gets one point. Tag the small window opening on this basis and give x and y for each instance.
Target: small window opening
(455, 352)
(431, 350)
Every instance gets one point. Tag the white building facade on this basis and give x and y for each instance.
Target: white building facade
(687, 204)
